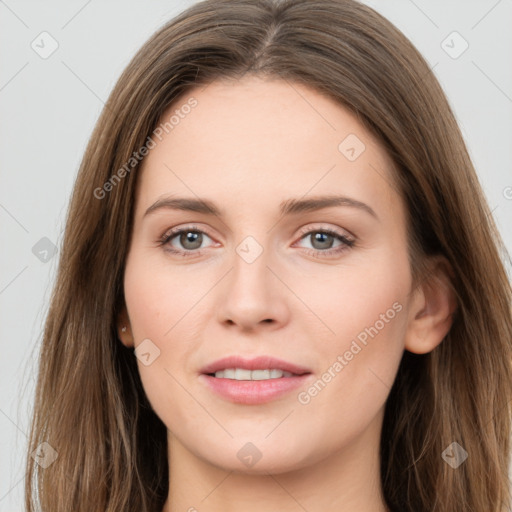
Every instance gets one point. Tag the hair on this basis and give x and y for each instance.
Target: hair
(90, 405)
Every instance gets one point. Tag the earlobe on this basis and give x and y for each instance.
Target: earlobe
(432, 309)
(124, 332)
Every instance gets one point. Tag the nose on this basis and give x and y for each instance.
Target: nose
(252, 296)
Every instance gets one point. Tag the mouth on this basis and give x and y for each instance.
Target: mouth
(244, 374)
(253, 381)
(257, 368)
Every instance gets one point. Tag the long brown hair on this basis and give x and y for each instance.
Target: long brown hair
(90, 405)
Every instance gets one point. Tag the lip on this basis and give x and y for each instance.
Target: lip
(256, 363)
(253, 392)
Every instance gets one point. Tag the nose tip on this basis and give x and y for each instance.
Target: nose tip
(252, 295)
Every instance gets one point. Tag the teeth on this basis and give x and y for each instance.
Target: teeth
(242, 374)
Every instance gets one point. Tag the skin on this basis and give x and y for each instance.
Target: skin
(247, 146)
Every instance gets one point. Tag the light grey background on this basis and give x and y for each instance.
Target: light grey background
(49, 107)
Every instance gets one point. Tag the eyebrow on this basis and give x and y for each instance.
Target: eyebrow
(288, 207)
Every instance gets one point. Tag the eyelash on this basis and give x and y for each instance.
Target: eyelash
(347, 242)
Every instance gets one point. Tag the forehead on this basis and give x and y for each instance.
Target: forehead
(255, 139)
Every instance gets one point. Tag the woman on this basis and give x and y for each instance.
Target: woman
(198, 356)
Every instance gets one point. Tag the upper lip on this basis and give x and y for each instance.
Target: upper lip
(256, 363)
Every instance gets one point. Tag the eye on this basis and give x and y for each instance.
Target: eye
(323, 239)
(189, 240)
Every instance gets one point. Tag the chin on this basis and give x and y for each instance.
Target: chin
(249, 458)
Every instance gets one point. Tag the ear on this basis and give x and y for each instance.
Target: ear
(124, 330)
(432, 307)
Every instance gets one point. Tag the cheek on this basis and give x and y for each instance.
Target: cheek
(156, 297)
(359, 297)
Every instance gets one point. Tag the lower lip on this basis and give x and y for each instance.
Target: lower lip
(253, 392)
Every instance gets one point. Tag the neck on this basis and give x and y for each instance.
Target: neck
(347, 480)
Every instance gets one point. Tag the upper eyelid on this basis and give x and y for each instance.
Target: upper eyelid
(307, 229)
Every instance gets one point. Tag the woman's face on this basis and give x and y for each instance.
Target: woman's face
(324, 288)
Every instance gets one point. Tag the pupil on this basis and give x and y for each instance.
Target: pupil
(192, 237)
(323, 238)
